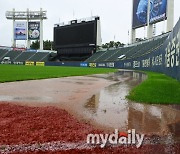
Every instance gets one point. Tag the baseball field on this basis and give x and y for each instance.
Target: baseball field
(53, 109)
(157, 89)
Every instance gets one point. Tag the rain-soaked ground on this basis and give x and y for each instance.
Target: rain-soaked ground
(99, 99)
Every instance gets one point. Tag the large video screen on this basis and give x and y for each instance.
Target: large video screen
(158, 10)
(75, 34)
(140, 8)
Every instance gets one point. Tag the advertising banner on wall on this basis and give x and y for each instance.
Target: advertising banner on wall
(165, 59)
(158, 10)
(140, 8)
(20, 31)
(33, 30)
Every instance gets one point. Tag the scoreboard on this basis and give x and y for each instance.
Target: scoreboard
(76, 34)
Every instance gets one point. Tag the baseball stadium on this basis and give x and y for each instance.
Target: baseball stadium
(83, 96)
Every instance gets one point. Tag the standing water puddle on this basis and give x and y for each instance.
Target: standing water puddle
(111, 109)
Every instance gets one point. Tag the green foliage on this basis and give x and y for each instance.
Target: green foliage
(157, 89)
(112, 44)
(47, 45)
(139, 39)
(35, 45)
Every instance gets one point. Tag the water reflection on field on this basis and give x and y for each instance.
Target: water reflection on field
(110, 108)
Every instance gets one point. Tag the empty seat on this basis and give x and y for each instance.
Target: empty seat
(132, 51)
(40, 56)
(24, 56)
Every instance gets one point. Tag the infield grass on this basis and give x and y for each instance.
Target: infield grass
(9, 73)
(157, 89)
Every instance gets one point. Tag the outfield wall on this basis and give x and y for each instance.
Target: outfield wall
(165, 60)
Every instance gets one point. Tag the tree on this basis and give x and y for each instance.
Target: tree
(47, 45)
(112, 44)
(139, 39)
(119, 44)
(104, 46)
(35, 45)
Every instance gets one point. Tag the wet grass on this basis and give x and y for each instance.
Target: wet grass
(9, 73)
(157, 89)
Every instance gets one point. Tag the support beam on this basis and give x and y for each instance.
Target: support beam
(150, 31)
(170, 15)
(133, 31)
(149, 26)
(28, 41)
(41, 31)
(14, 41)
(133, 35)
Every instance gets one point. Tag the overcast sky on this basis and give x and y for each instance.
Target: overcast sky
(115, 16)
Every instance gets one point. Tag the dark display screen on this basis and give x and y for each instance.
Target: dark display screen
(75, 34)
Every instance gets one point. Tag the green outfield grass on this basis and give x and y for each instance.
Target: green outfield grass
(157, 89)
(9, 73)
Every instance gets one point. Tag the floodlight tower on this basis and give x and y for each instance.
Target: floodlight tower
(27, 16)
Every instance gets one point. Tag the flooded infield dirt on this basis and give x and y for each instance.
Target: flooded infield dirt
(111, 109)
(101, 101)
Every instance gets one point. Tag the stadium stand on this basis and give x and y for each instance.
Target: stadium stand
(3, 52)
(128, 52)
(13, 54)
(45, 58)
(148, 47)
(106, 55)
(94, 57)
(132, 51)
(119, 52)
(24, 56)
(19, 56)
(39, 56)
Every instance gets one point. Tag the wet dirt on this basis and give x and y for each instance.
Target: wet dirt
(110, 108)
(99, 100)
(51, 130)
(62, 92)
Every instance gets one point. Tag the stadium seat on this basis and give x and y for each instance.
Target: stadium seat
(132, 51)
